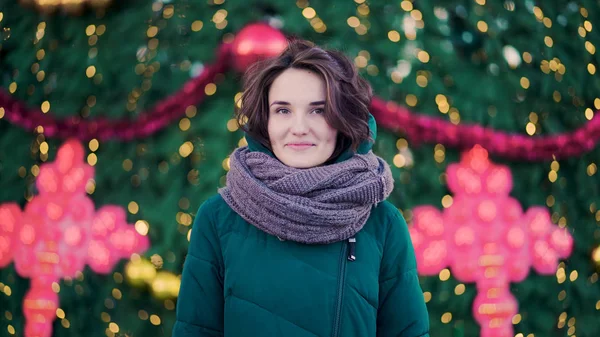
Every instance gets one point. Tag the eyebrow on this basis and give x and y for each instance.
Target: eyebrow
(288, 103)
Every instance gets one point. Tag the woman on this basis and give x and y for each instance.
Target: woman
(301, 241)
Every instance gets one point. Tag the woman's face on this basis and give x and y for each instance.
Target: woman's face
(299, 135)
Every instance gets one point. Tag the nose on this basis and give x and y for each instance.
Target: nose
(300, 124)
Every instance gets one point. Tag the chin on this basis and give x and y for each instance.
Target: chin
(298, 162)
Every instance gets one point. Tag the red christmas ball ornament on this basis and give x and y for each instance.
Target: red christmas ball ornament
(256, 42)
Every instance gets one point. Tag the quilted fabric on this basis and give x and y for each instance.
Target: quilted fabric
(239, 281)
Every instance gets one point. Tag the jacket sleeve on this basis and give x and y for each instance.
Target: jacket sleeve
(200, 302)
(402, 311)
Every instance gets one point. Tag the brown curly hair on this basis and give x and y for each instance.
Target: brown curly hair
(348, 95)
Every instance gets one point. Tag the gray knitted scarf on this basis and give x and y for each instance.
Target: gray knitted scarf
(321, 204)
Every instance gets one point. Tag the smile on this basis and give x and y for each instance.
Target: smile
(299, 147)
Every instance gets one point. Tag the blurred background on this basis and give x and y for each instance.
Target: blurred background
(486, 113)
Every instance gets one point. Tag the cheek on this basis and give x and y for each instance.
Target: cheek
(330, 134)
(273, 130)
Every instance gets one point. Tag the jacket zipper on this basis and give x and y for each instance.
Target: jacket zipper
(345, 256)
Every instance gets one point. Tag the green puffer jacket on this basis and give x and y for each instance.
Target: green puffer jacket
(239, 281)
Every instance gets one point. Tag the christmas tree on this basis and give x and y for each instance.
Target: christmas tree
(150, 89)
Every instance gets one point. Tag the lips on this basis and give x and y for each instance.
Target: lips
(300, 146)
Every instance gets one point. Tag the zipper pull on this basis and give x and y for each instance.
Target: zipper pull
(352, 250)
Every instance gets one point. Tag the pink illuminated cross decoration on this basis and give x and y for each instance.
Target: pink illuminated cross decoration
(59, 233)
(485, 238)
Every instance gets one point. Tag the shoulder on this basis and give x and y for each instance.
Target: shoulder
(212, 207)
(391, 230)
(388, 218)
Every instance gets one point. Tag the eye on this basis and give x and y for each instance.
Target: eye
(282, 111)
(319, 111)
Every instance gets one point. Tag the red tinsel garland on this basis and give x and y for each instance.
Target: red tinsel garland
(417, 127)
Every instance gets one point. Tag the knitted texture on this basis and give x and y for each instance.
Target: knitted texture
(317, 205)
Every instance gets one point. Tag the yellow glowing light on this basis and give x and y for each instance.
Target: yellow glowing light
(127, 165)
(411, 100)
(133, 207)
(399, 160)
(197, 25)
(573, 276)
(556, 96)
(446, 317)
(191, 111)
(12, 87)
(401, 144)
(155, 320)
(361, 29)
(548, 41)
(92, 159)
(444, 274)
(1, 112)
(363, 10)
(360, 61)
(527, 57)
(44, 147)
(11, 329)
(394, 36)
(524, 82)
(516, 319)
(353, 21)
(309, 12)
(459, 289)
(591, 68)
(152, 31)
(416, 14)
(447, 201)
(538, 13)
(143, 315)
(90, 71)
(552, 176)
(114, 328)
(232, 125)
(45, 106)
(530, 128)
(590, 47)
(186, 149)
(142, 227)
(90, 30)
(40, 54)
(225, 164)
(100, 30)
(406, 5)
(40, 76)
(423, 56)
(168, 12)
(427, 296)
(94, 144)
(482, 26)
(591, 170)
(547, 22)
(480, 2)
(587, 25)
(210, 89)
(184, 124)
